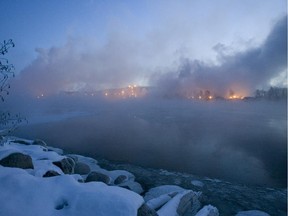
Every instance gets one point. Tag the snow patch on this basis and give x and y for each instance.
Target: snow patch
(208, 210)
(197, 183)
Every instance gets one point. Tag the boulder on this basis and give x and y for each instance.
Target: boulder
(187, 201)
(120, 179)
(18, 160)
(51, 173)
(184, 202)
(96, 176)
(208, 210)
(158, 202)
(74, 157)
(66, 165)
(81, 168)
(133, 186)
(145, 210)
(197, 183)
(39, 142)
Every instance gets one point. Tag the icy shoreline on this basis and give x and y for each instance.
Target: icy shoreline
(40, 180)
(228, 197)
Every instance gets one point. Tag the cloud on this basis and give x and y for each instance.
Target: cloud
(241, 72)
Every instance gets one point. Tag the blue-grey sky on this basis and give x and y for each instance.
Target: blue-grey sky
(96, 44)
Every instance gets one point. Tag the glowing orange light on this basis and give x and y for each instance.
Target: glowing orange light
(235, 97)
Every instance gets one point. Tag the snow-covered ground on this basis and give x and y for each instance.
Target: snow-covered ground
(36, 179)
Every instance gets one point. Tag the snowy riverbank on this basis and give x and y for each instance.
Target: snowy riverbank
(36, 179)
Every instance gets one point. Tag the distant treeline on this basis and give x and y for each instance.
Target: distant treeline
(273, 93)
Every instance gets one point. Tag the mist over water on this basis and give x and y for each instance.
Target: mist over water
(237, 141)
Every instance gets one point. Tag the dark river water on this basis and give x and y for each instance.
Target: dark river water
(244, 142)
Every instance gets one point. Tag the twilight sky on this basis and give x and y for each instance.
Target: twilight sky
(96, 44)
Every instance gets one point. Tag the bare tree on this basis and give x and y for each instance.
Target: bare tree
(6, 69)
(8, 122)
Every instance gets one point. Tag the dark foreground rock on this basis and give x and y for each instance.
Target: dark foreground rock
(145, 210)
(66, 165)
(51, 173)
(188, 201)
(17, 160)
(120, 179)
(81, 168)
(39, 142)
(99, 177)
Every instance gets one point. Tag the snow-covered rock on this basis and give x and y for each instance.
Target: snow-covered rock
(18, 160)
(81, 168)
(66, 165)
(129, 183)
(145, 210)
(208, 210)
(120, 179)
(40, 142)
(59, 185)
(179, 204)
(161, 190)
(172, 200)
(197, 183)
(30, 192)
(158, 202)
(133, 186)
(98, 177)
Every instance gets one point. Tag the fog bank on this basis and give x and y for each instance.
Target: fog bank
(233, 140)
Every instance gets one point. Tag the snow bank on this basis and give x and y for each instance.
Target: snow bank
(24, 194)
(51, 186)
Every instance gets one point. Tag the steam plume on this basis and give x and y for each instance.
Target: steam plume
(241, 72)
